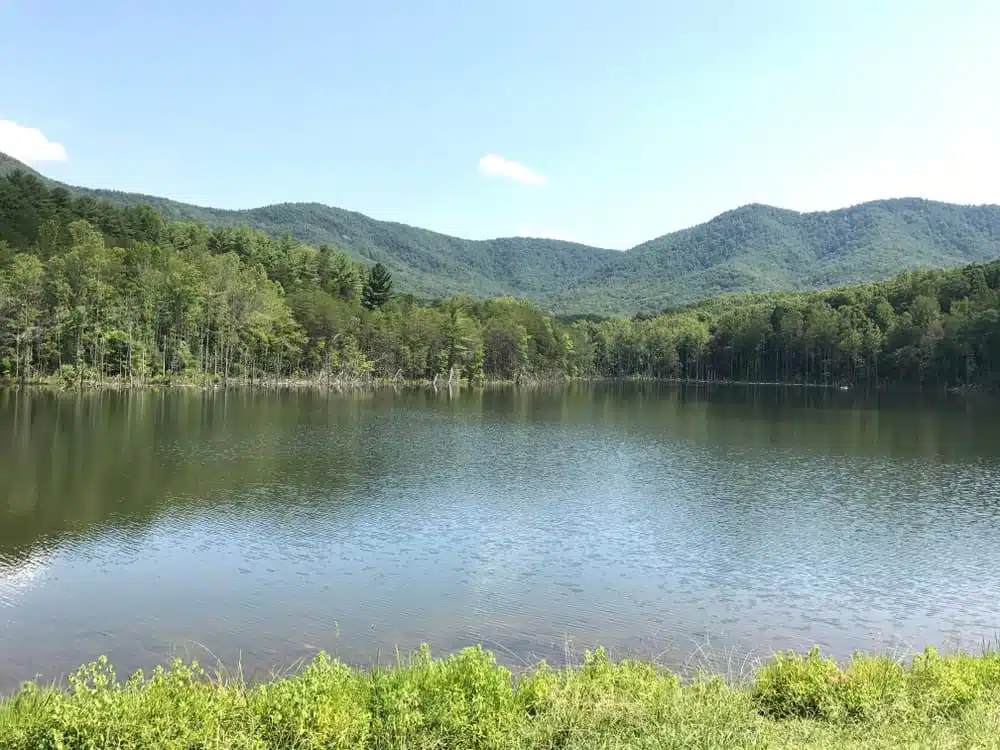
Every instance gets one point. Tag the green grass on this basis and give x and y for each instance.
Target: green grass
(467, 700)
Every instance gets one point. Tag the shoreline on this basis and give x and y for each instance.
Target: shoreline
(468, 700)
(376, 383)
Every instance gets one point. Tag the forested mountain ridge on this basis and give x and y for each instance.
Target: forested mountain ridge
(9, 164)
(762, 248)
(93, 292)
(754, 248)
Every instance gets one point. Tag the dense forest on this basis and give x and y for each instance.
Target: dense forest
(755, 248)
(94, 292)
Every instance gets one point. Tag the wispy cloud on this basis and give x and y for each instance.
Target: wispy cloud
(501, 167)
(28, 144)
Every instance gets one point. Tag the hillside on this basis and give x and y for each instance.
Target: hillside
(761, 248)
(423, 262)
(750, 249)
(10, 164)
(93, 292)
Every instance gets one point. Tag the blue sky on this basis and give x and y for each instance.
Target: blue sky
(605, 122)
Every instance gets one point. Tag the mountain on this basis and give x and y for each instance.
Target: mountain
(762, 248)
(754, 248)
(10, 164)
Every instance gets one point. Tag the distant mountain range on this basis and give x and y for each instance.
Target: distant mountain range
(754, 248)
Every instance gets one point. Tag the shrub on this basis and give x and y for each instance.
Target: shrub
(326, 706)
(468, 701)
(946, 686)
(796, 686)
(873, 688)
(463, 700)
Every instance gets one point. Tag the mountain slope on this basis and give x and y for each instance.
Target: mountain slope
(10, 164)
(426, 263)
(750, 249)
(762, 248)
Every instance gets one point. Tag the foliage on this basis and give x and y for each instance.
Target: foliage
(90, 291)
(930, 327)
(876, 688)
(754, 248)
(467, 700)
(378, 288)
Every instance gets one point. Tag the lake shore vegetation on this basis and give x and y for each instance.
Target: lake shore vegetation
(467, 700)
(95, 294)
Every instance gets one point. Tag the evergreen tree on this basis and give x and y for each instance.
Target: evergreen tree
(93, 292)
(378, 287)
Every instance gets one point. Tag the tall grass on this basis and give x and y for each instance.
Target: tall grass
(467, 700)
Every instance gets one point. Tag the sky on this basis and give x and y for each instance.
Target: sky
(604, 122)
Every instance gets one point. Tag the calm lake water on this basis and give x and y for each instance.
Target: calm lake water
(261, 527)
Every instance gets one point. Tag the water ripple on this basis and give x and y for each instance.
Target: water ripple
(266, 527)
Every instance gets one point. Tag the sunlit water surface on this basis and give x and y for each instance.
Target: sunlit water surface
(258, 528)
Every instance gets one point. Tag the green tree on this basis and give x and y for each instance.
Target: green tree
(338, 274)
(459, 335)
(22, 309)
(378, 287)
(88, 290)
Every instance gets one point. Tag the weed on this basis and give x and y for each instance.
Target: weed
(467, 700)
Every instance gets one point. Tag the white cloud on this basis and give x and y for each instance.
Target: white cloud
(28, 144)
(500, 167)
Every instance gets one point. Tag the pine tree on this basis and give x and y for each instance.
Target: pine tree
(378, 287)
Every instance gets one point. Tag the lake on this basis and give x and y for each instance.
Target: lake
(255, 528)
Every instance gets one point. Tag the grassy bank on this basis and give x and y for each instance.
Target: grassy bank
(468, 701)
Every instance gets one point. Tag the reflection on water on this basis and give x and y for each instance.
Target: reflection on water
(261, 527)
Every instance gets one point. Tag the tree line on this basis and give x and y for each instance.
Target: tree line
(97, 293)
